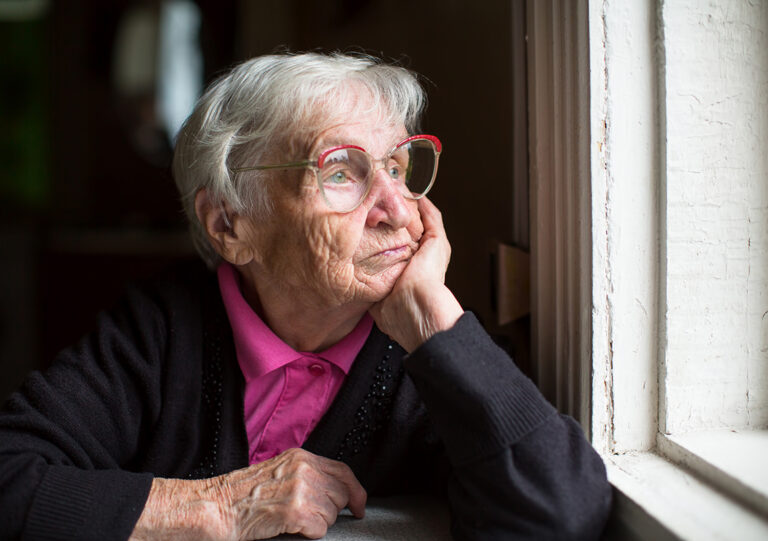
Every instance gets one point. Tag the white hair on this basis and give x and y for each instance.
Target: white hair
(277, 101)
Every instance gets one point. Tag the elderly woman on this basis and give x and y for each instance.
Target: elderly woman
(318, 359)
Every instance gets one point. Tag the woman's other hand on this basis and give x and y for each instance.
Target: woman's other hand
(420, 304)
(295, 492)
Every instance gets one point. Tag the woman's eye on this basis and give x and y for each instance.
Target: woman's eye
(395, 171)
(339, 177)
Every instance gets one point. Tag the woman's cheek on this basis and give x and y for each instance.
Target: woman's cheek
(333, 247)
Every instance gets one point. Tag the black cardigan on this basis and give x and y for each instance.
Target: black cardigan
(156, 390)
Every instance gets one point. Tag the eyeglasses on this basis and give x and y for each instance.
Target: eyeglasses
(345, 173)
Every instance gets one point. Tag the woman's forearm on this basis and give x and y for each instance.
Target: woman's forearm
(182, 509)
(520, 469)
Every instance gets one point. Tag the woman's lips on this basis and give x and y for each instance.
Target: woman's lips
(388, 259)
(394, 252)
(390, 256)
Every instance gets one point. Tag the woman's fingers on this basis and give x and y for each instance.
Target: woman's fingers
(354, 495)
(434, 241)
(431, 217)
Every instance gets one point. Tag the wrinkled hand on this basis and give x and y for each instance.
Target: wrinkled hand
(295, 492)
(420, 304)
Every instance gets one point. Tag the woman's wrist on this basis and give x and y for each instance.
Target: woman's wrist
(440, 312)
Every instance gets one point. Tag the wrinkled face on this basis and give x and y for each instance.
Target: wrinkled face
(314, 255)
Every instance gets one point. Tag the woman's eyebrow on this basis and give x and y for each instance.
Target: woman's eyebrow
(337, 142)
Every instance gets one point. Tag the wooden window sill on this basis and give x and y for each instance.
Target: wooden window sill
(657, 499)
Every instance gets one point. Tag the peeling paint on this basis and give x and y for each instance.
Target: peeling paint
(624, 206)
(717, 208)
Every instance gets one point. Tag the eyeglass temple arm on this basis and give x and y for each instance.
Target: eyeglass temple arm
(303, 163)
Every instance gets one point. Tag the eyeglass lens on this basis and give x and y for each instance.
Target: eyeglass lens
(347, 172)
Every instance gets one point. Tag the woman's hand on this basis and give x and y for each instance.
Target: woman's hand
(294, 492)
(420, 305)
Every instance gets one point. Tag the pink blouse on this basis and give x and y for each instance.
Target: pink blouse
(286, 392)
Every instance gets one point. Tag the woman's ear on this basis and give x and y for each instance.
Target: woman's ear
(222, 229)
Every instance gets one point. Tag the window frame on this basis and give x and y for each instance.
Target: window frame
(597, 171)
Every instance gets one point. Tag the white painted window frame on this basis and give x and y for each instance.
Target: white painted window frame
(596, 172)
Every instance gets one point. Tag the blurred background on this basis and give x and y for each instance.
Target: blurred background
(92, 93)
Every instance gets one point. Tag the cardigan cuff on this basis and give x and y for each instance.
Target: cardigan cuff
(478, 399)
(71, 503)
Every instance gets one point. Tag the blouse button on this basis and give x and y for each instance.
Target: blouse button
(316, 369)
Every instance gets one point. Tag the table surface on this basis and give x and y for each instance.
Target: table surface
(399, 518)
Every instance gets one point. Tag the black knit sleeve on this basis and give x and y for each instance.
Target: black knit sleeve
(68, 436)
(520, 470)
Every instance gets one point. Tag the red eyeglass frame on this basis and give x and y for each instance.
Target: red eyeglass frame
(317, 165)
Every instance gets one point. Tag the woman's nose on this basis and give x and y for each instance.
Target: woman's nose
(389, 205)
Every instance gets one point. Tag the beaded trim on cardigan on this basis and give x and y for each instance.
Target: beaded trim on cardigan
(374, 411)
(372, 414)
(212, 403)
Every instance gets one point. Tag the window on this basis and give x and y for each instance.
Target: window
(662, 352)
